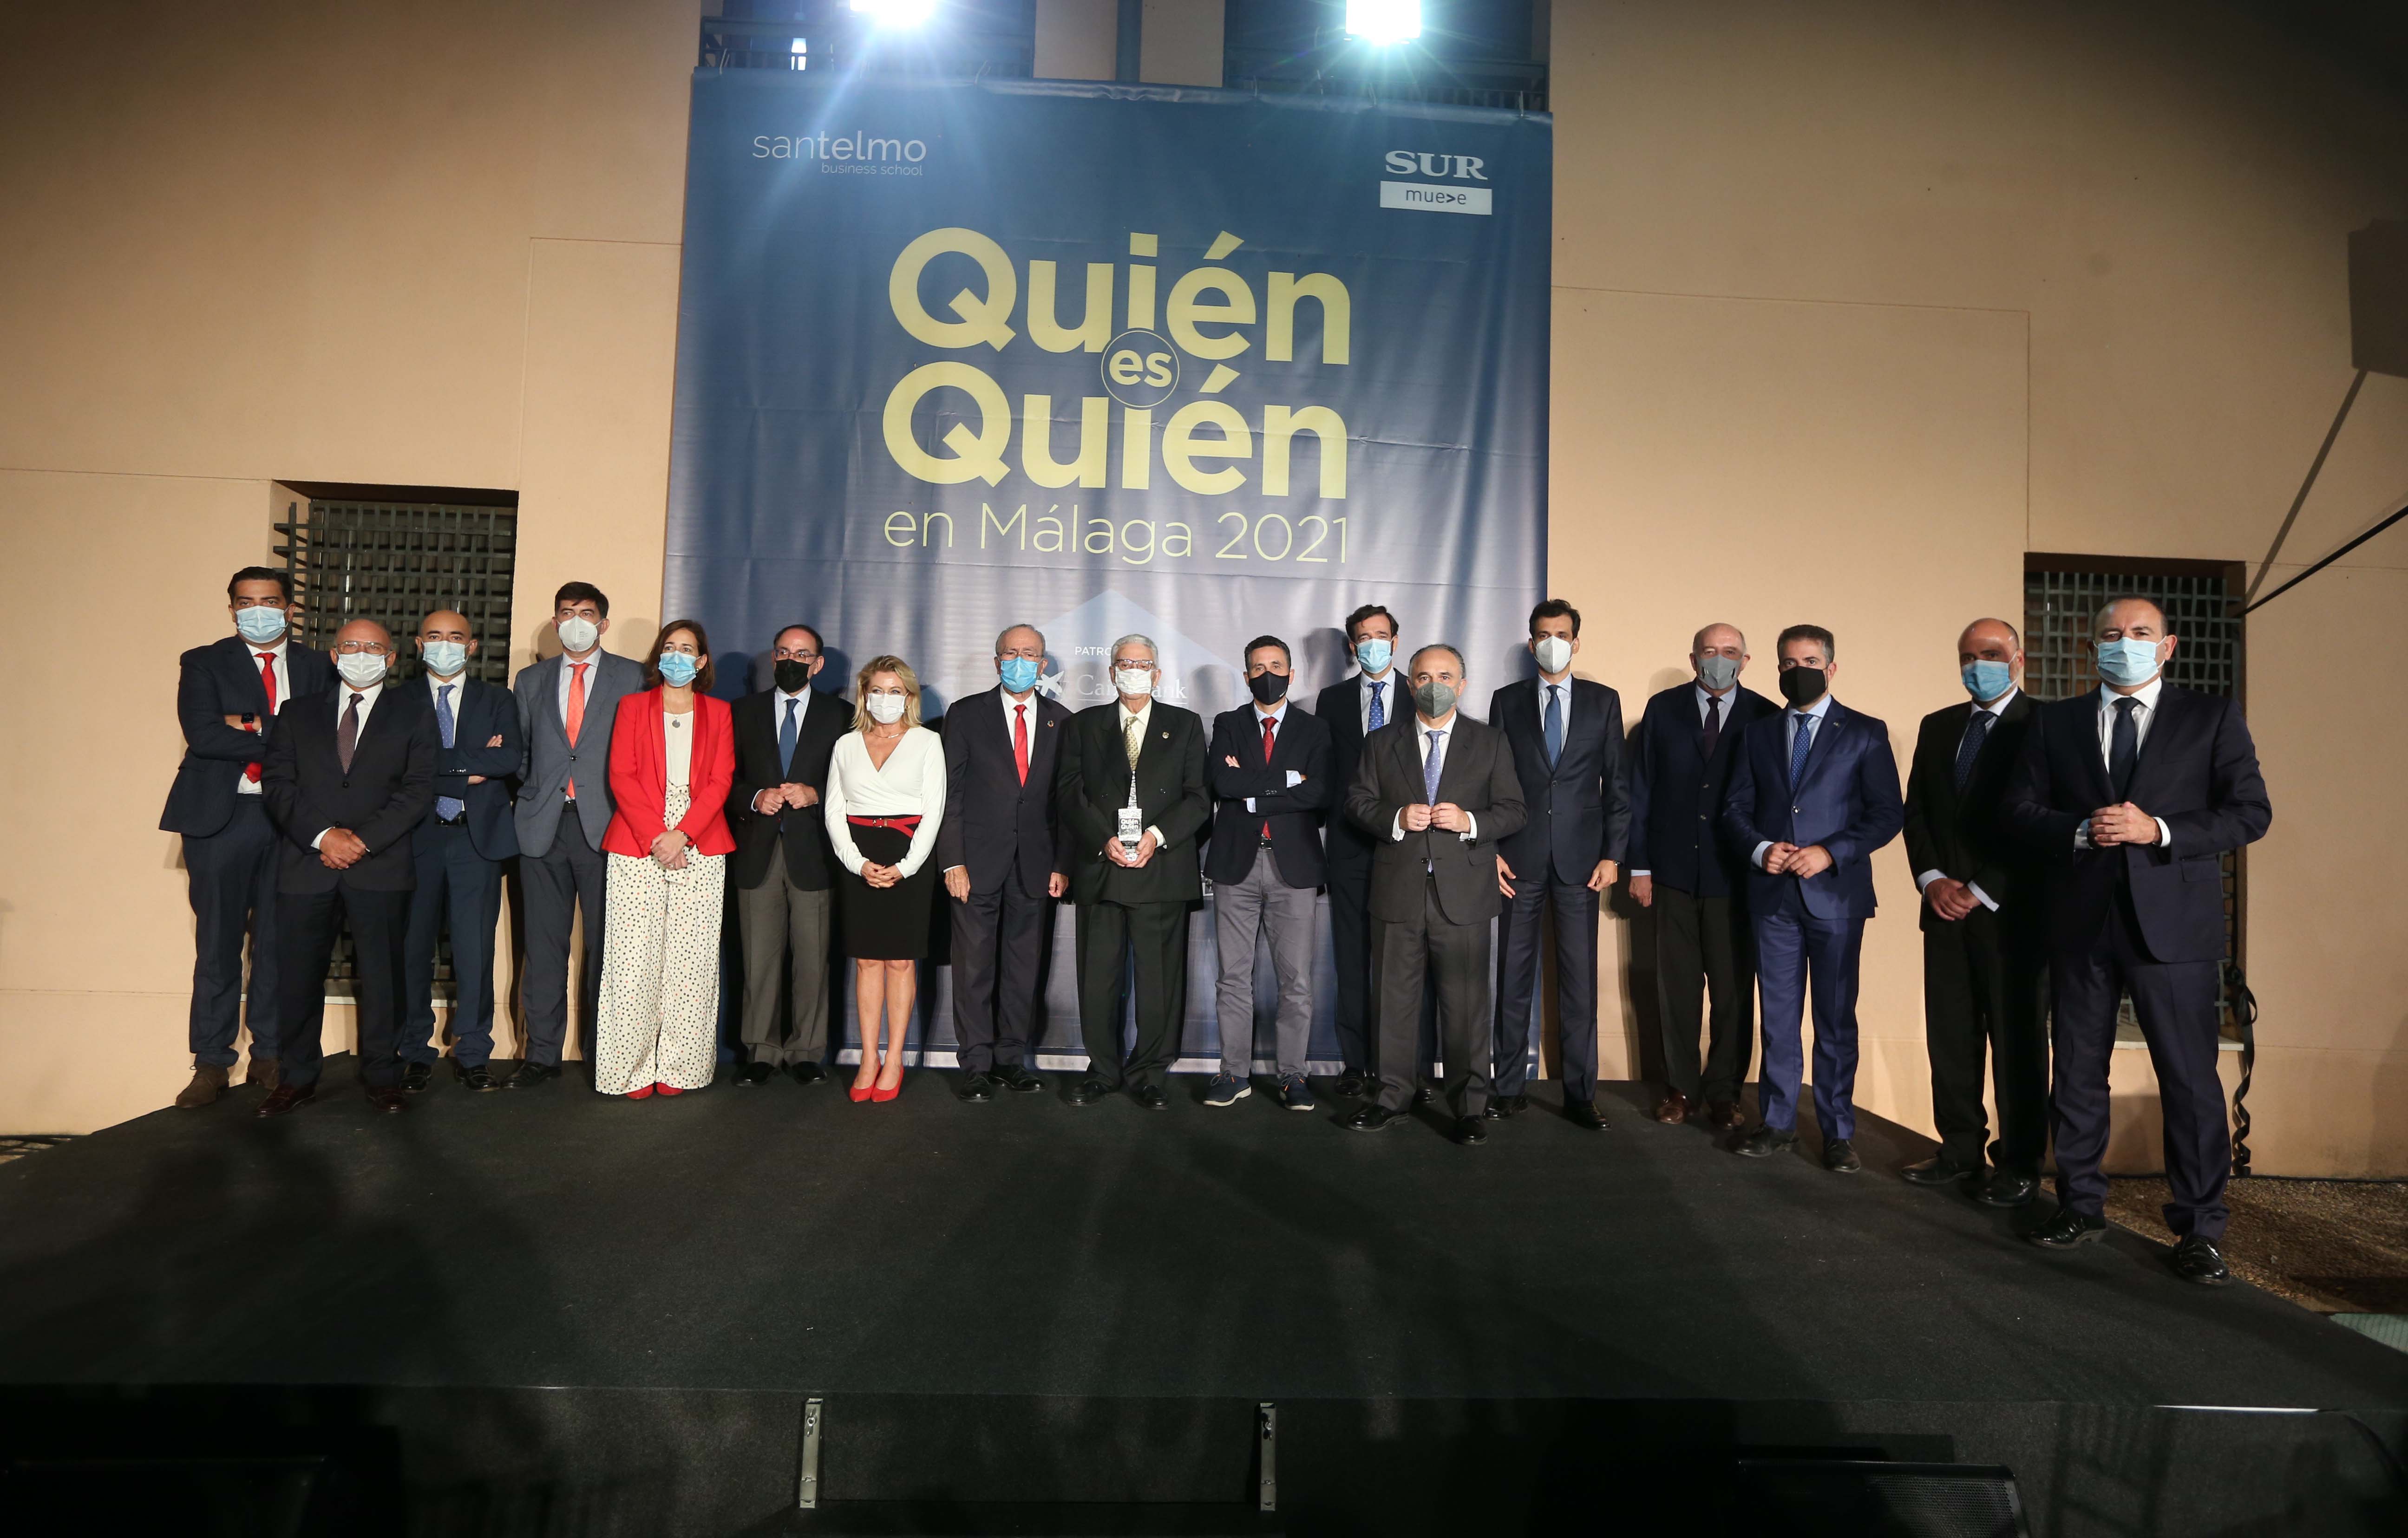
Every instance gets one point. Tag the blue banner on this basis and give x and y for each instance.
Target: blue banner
(1103, 358)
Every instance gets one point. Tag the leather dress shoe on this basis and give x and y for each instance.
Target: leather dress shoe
(2195, 1259)
(388, 1098)
(1424, 1095)
(479, 1077)
(1764, 1142)
(974, 1090)
(282, 1100)
(1940, 1170)
(1353, 1085)
(1724, 1115)
(1150, 1097)
(1673, 1109)
(1369, 1118)
(532, 1074)
(1017, 1079)
(1088, 1090)
(754, 1073)
(262, 1071)
(416, 1076)
(1840, 1156)
(1470, 1130)
(806, 1072)
(1502, 1107)
(2006, 1188)
(2067, 1228)
(1584, 1113)
(208, 1082)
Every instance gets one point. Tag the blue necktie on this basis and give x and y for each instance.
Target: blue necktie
(1433, 765)
(787, 741)
(1379, 716)
(1555, 723)
(446, 807)
(1976, 732)
(1803, 725)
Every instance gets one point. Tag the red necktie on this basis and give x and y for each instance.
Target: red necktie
(1270, 725)
(267, 682)
(1020, 740)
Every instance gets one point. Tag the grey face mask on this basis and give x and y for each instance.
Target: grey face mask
(1433, 699)
(1718, 672)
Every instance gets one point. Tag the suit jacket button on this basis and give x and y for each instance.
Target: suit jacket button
(1797, 811)
(347, 785)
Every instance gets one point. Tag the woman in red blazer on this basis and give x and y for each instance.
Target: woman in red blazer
(672, 757)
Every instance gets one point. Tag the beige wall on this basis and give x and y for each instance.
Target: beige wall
(1855, 303)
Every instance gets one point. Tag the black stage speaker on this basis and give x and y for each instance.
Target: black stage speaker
(2378, 297)
(1812, 1498)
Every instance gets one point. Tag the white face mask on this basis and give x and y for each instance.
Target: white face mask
(360, 669)
(1136, 681)
(580, 635)
(885, 709)
(1555, 654)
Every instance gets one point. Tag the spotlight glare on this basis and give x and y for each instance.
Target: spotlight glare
(1378, 23)
(895, 13)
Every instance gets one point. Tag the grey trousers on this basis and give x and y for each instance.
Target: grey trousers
(1241, 911)
(781, 921)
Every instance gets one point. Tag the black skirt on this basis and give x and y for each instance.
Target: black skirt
(888, 924)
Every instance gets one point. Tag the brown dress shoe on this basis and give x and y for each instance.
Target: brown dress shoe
(262, 1071)
(1724, 1115)
(285, 1097)
(1673, 1109)
(208, 1082)
(388, 1098)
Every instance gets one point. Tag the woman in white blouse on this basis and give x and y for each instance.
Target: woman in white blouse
(885, 796)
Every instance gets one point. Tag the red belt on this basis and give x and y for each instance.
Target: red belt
(907, 824)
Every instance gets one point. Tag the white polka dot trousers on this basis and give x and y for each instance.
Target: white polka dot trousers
(658, 1018)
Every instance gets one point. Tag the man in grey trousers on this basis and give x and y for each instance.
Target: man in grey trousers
(566, 707)
(1268, 767)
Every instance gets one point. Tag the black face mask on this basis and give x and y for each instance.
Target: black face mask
(792, 674)
(1803, 686)
(1269, 687)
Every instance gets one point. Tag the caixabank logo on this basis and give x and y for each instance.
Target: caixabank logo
(1444, 182)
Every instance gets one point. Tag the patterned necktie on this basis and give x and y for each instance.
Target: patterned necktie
(1432, 766)
(2124, 747)
(1803, 726)
(576, 714)
(347, 735)
(1020, 740)
(1271, 724)
(447, 808)
(1977, 732)
(1555, 723)
(1132, 731)
(1713, 723)
(1379, 709)
(786, 732)
(267, 682)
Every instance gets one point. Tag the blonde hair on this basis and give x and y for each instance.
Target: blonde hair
(902, 670)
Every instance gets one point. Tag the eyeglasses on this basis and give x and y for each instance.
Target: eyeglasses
(372, 649)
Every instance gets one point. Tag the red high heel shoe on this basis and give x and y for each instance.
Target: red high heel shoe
(883, 1095)
(644, 1093)
(860, 1093)
(668, 1088)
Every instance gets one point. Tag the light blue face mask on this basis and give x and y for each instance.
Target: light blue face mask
(2127, 662)
(1019, 674)
(259, 624)
(444, 659)
(1375, 655)
(1985, 680)
(678, 669)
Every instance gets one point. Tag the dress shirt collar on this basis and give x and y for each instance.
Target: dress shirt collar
(1821, 708)
(274, 648)
(1999, 706)
(459, 688)
(369, 696)
(1705, 697)
(1143, 715)
(801, 696)
(2147, 694)
(1276, 715)
(1448, 725)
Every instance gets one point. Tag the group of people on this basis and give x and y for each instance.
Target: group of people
(316, 790)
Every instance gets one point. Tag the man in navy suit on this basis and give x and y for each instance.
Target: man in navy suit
(460, 850)
(2132, 792)
(228, 695)
(1352, 708)
(1682, 869)
(1813, 793)
(1567, 741)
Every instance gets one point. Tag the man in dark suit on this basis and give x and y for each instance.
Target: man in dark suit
(1437, 790)
(1353, 709)
(228, 695)
(1682, 869)
(1006, 856)
(2132, 792)
(1985, 951)
(784, 870)
(567, 705)
(350, 776)
(1813, 794)
(1269, 768)
(1566, 740)
(460, 850)
(1131, 788)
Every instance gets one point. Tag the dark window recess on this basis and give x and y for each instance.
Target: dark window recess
(2061, 597)
(395, 554)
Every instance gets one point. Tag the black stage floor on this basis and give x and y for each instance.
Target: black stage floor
(781, 1242)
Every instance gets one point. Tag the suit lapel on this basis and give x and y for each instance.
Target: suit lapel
(2174, 716)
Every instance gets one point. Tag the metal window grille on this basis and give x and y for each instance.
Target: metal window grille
(2061, 597)
(394, 555)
